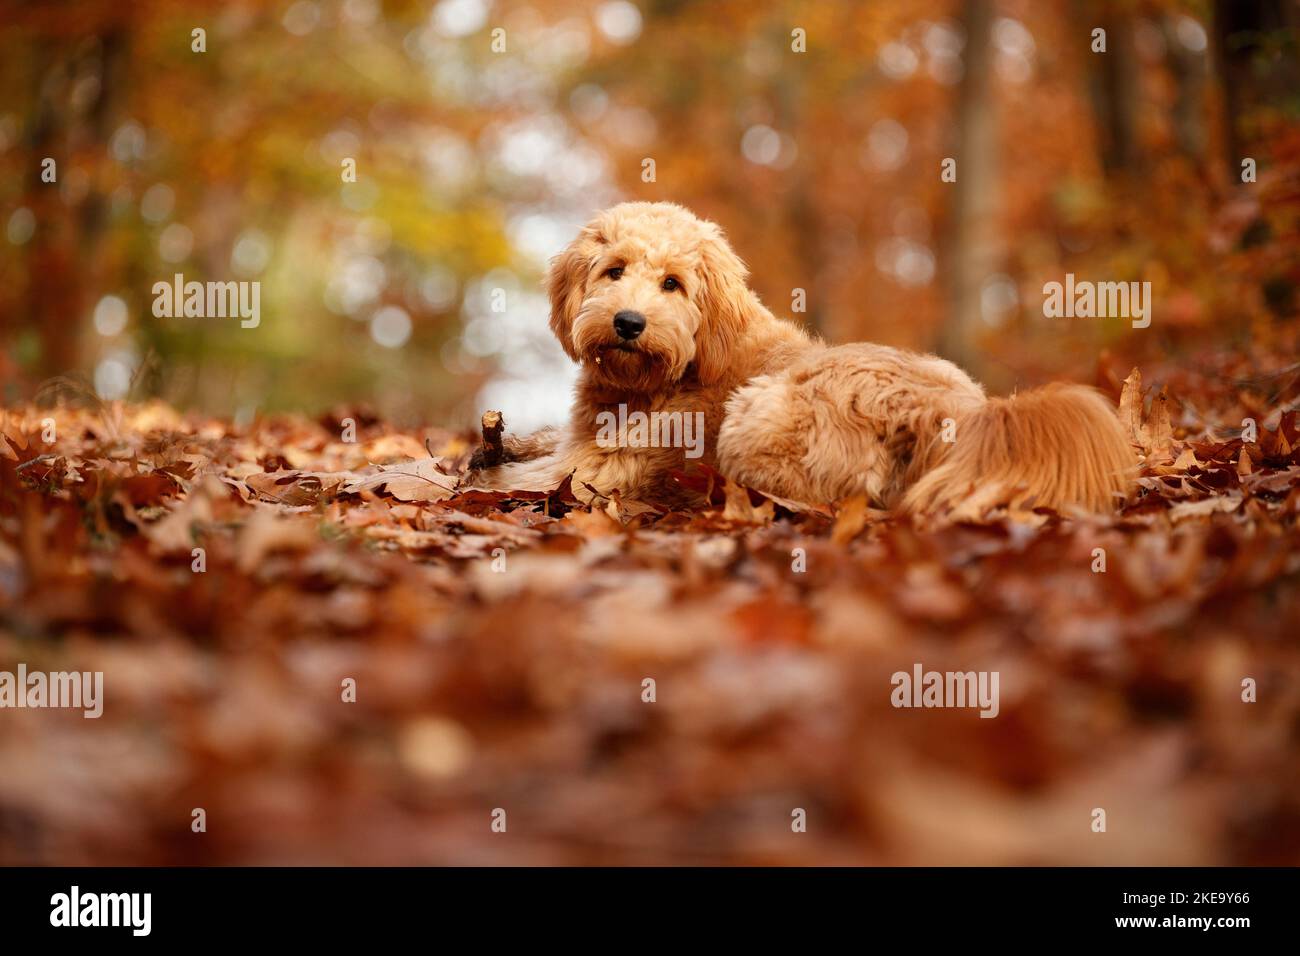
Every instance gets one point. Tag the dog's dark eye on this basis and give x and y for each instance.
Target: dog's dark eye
(671, 284)
(615, 273)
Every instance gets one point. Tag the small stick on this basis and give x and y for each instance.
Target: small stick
(492, 452)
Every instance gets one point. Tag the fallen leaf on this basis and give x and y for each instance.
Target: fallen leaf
(418, 480)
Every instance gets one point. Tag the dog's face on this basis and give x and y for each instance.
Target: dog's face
(646, 293)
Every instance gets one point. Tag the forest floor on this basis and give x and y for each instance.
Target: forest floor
(342, 665)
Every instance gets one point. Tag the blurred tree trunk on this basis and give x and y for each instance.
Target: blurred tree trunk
(970, 238)
(51, 293)
(1188, 68)
(1255, 48)
(1113, 83)
(62, 254)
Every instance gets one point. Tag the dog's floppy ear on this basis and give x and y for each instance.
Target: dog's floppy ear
(566, 284)
(725, 303)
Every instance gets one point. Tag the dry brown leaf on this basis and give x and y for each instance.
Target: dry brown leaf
(418, 480)
(1206, 506)
(174, 532)
(297, 487)
(268, 531)
(597, 523)
(11, 430)
(1130, 408)
(388, 448)
(1158, 433)
(850, 519)
(739, 508)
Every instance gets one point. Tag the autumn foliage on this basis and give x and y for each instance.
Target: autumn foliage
(499, 645)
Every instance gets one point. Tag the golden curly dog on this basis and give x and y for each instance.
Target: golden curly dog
(654, 305)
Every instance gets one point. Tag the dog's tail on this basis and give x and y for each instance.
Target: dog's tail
(1060, 446)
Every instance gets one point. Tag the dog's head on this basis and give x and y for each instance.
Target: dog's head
(646, 292)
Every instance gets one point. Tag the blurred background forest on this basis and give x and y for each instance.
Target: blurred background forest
(474, 165)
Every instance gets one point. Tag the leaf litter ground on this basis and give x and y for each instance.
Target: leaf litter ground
(500, 644)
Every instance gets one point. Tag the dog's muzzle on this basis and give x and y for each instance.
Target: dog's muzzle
(629, 324)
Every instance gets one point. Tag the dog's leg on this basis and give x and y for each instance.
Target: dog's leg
(760, 443)
(539, 444)
(539, 462)
(542, 473)
(512, 463)
(777, 437)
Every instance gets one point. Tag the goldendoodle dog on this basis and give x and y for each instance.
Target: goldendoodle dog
(681, 362)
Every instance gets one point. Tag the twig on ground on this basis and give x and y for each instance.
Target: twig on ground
(492, 453)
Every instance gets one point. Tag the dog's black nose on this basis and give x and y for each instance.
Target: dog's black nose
(629, 324)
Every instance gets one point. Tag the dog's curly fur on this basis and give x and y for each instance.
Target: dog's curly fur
(783, 412)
